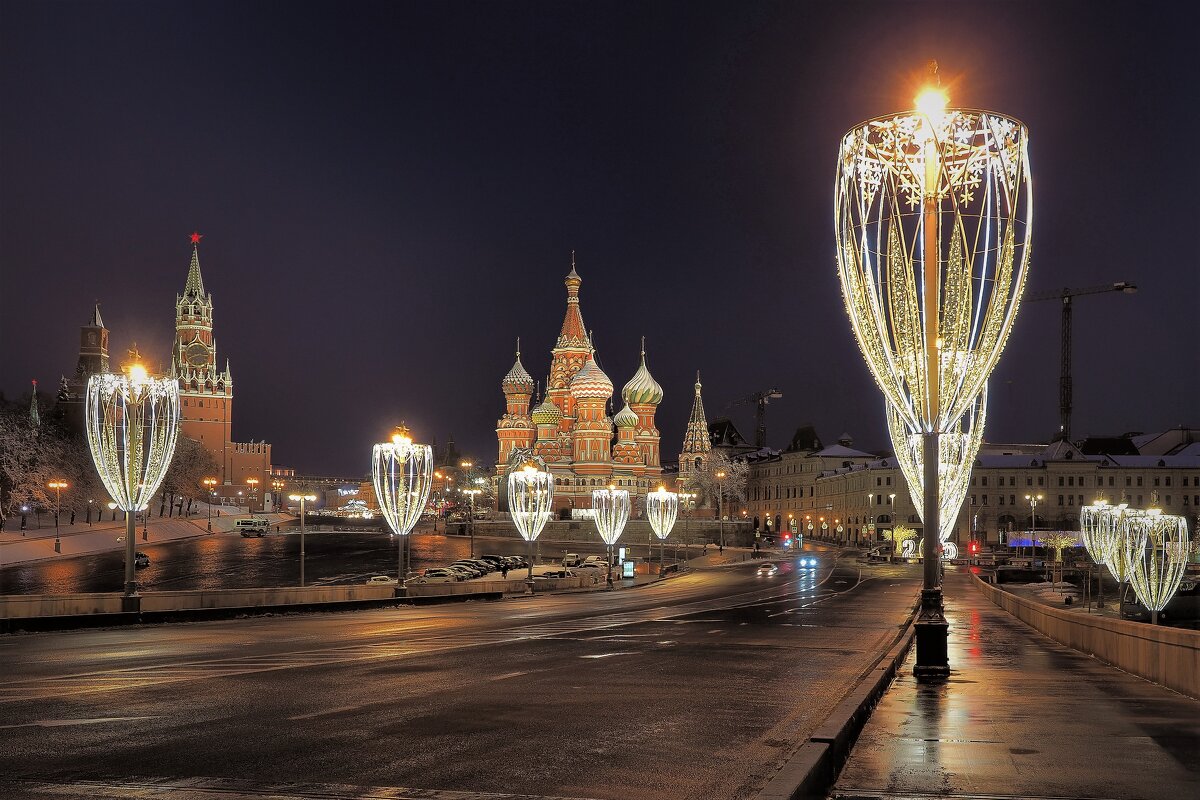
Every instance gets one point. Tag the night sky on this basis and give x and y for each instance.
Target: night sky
(389, 194)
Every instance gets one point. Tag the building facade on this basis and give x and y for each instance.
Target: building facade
(867, 495)
(570, 430)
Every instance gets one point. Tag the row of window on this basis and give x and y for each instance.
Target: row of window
(1070, 480)
(200, 403)
(1077, 499)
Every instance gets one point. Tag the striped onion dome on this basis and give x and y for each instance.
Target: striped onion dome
(517, 379)
(625, 418)
(590, 381)
(546, 413)
(642, 388)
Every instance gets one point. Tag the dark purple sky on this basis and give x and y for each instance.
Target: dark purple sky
(389, 193)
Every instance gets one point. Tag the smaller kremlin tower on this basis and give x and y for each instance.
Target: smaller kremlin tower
(696, 444)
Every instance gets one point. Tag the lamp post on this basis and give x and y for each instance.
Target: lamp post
(611, 511)
(57, 485)
(662, 507)
(403, 477)
(209, 483)
(1033, 499)
(720, 501)
(933, 213)
(253, 484)
(530, 499)
(302, 498)
(277, 485)
(132, 426)
(471, 493)
(688, 503)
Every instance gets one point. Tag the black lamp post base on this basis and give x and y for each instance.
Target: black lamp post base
(932, 633)
(131, 604)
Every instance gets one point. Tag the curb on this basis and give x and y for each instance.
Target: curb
(813, 768)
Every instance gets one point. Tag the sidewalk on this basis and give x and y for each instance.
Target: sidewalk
(82, 539)
(1023, 716)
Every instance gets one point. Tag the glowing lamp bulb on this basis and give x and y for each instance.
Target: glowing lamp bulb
(137, 374)
(932, 102)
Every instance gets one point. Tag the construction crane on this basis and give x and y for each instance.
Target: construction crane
(1065, 296)
(760, 414)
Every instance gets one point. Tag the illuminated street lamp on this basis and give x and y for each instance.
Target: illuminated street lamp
(720, 476)
(253, 484)
(687, 502)
(933, 214)
(611, 511)
(472, 493)
(57, 486)
(403, 476)
(277, 485)
(530, 499)
(662, 507)
(212, 493)
(1033, 499)
(132, 427)
(302, 499)
(1157, 558)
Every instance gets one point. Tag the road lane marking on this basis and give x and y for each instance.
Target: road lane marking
(58, 723)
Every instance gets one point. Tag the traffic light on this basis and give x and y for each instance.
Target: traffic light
(973, 547)
(787, 540)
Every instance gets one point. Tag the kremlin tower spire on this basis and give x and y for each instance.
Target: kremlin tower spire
(696, 444)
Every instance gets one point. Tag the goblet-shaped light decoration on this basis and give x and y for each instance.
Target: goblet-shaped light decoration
(403, 475)
(132, 426)
(932, 219)
(662, 508)
(611, 509)
(958, 449)
(1157, 566)
(1126, 536)
(530, 500)
(1095, 523)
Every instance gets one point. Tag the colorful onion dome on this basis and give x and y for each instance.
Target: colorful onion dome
(590, 381)
(546, 413)
(642, 388)
(517, 379)
(625, 418)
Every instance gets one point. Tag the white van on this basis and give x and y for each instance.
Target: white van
(571, 560)
(251, 526)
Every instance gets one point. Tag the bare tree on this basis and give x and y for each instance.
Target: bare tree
(706, 482)
(189, 466)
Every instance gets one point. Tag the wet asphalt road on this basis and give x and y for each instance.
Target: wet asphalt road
(696, 687)
(229, 561)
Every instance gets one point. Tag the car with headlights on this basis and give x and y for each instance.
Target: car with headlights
(807, 562)
(766, 570)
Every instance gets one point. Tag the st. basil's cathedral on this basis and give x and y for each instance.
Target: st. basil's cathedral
(570, 430)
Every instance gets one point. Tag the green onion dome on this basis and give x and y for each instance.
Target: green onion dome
(642, 388)
(625, 418)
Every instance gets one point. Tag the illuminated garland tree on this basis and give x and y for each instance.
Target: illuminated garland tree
(662, 508)
(403, 476)
(132, 427)
(530, 500)
(1156, 566)
(932, 219)
(611, 509)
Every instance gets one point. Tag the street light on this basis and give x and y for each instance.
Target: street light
(57, 486)
(1033, 501)
(687, 502)
(530, 498)
(471, 493)
(253, 484)
(610, 508)
(662, 507)
(720, 500)
(303, 498)
(277, 485)
(209, 484)
(403, 476)
(933, 212)
(132, 427)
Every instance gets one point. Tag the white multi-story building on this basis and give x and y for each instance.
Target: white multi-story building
(867, 495)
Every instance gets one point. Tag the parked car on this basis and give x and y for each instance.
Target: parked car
(432, 576)
(496, 561)
(140, 559)
(571, 560)
(381, 579)
(601, 560)
(461, 572)
(596, 566)
(468, 567)
(516, 562)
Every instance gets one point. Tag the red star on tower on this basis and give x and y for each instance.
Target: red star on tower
(196, 237)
